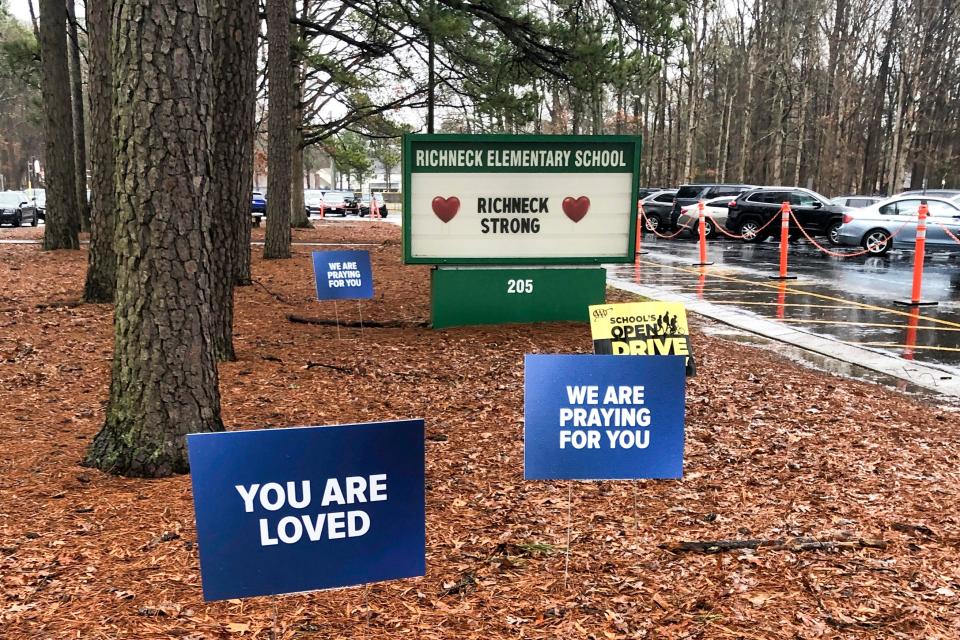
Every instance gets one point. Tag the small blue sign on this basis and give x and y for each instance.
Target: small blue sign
(305, 508)
(343, 275)
(590, 417)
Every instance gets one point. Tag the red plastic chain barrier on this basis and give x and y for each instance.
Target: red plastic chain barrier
(661, 235)
(947, 231)
(837, 254)
(719, 227)
(322, 202)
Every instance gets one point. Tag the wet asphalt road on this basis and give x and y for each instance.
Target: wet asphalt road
(851, 299)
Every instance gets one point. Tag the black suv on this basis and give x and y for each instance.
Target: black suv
(750, 214)
(692, 193)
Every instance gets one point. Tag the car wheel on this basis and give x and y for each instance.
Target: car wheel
(18, 221)
(709, 230)
(653, 222)
(750, 230)
(833, 233)
(877, 242)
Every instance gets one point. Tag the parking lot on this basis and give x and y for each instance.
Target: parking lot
(852, 300)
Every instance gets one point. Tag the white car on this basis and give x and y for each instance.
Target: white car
(896, 218)
(856, 202)
(715, 209)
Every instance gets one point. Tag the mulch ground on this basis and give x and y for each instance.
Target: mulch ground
(774, 451)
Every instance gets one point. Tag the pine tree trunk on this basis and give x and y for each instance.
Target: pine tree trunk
(62, 222)
(746, 129)
(298, 213)
(79, 133)
(164, 380)
(102, 264)
(234, 27)
(280, 108)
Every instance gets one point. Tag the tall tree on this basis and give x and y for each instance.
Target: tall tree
(164, 381)
(298, 213)
(279, 124)
(102, 265)
(79, 133)
(235, 25)
(62, 230)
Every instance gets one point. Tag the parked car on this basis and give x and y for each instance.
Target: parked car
(749, 215)
(17, 208)
(656, 208)
(363, 206)
(643, 192)
(333, 203)
(39, 197)
(713, 210)
(258, 203)
(873, 227)
(692, 193)
(949, 194)
(855, 202)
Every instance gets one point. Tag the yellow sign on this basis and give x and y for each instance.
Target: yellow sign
(642, 329)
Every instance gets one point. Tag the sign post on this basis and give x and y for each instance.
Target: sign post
(513, 221)
(343, 275)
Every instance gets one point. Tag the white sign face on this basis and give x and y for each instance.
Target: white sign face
(515, 199)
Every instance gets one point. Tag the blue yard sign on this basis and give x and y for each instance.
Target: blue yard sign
(590, 417)
(304, 508)
(343, 275)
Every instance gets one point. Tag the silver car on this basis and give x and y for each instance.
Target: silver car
(893, 223)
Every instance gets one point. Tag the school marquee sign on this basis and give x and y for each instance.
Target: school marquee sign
(508, 199)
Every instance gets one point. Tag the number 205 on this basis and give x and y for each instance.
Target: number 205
(520, 286)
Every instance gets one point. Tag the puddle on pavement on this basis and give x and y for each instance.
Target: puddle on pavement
(825, 364)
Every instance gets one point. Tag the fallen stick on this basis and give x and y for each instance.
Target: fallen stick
(389, 324)
(779, 544)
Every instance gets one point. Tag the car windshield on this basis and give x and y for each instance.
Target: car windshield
(333, 196)
(12, 198)
(311, 196)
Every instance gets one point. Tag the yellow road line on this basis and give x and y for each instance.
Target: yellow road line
(866, 324)
(776, 287)
(779, 304)
(905, 346)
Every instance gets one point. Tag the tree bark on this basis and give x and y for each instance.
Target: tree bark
(164, 381)
(101, 267)
(79, 132)
(280, 108)
(234, 41)
(62, 222)
(298, 214)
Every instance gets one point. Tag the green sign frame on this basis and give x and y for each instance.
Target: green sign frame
(632, 144)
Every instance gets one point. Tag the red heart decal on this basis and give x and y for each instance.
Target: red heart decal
(576, 208)
(446, 208)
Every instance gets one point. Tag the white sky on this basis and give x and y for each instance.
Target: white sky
(19, 9)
